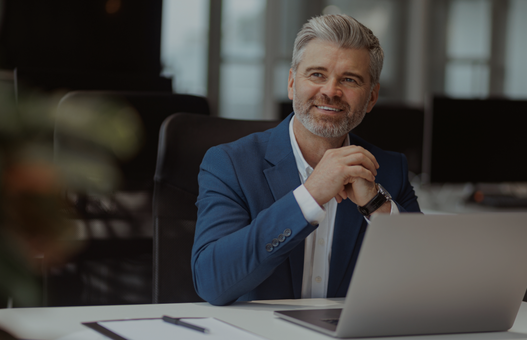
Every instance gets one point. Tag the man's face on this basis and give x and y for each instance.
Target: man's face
(331, 90)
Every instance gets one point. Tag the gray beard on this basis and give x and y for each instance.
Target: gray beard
(327, 128)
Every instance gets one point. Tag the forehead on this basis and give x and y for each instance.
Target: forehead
(329, 55)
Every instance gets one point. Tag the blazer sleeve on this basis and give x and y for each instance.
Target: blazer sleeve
(403, 192)
(233, 249)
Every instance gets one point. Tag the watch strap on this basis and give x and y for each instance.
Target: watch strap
(376, 202)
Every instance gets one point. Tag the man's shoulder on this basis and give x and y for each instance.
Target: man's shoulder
(246, 155)
(250, 146)
(255, 144)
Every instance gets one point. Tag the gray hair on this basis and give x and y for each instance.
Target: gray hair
(344, 31)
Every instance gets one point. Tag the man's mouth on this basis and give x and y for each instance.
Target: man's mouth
(327, 108)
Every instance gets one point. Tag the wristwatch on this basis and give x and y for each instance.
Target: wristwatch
(376, 202)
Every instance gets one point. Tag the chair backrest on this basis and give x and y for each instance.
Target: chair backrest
(183, 141)
(123, 219)
(82, 80)
(153, 108)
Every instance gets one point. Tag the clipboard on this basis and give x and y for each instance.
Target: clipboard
(156, 328)
(106, 332)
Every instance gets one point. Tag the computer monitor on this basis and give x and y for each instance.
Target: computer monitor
(475, 140)
(396, 128)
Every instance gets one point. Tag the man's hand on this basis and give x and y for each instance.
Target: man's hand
(346, 172)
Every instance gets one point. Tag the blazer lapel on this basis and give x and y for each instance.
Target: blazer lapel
(283, 178)
(348, 224)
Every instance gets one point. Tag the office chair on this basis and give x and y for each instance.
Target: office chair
(183, 141)
(153, 108)
(116, 266)
(53, 79)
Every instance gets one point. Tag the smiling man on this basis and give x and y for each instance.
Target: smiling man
(282, 213)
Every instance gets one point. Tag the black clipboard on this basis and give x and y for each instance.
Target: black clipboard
(106, 332)
(219, 328)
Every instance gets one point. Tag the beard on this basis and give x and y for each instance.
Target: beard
(328, 126)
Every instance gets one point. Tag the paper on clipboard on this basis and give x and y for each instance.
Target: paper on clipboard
(147, 329)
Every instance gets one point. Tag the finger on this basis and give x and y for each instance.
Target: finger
(353, 149)
(343, 194)
(359, 171)
(349, 191)
(361, 159)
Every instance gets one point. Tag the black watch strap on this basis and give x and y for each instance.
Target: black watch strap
(376, 202)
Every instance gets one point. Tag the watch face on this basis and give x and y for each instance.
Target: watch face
(384, 192)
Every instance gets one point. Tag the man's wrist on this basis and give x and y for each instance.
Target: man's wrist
(365, 199)
(311, 210)
(379, 200)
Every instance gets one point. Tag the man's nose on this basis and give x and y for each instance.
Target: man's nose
(332, 89)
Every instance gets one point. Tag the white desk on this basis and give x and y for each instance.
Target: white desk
(64, 323)
(452, 198)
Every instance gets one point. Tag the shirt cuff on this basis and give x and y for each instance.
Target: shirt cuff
(313, 213)
(393, 211)
(395, 208)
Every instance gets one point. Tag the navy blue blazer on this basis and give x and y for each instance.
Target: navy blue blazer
(246, 200)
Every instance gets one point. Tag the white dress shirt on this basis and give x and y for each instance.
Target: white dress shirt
(317, 250)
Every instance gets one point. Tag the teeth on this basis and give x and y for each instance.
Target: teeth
(328, 108)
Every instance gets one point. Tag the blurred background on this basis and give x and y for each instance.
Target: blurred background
(443, 58)
(237, 52)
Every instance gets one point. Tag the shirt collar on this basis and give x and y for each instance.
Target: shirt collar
(303, 167)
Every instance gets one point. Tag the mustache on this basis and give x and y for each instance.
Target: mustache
(325, 100)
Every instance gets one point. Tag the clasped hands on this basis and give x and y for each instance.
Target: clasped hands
(346, 172)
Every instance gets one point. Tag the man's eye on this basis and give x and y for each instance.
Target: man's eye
(317, 75)
(349, 80)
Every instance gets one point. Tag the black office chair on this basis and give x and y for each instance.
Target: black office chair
(81, 80)
(153, 108)
(183, 141)
(117, 268)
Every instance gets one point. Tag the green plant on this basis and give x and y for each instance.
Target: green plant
(35, 217)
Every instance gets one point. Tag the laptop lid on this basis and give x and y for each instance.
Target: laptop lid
(433, 274)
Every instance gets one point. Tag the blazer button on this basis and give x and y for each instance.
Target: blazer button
(281, 238)
(287, 232)
(269, 247)
(275, 242)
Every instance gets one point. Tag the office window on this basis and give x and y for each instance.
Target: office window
(287, 19)
(184, 44)
(515, 67)
(242, 59)
(468, 48)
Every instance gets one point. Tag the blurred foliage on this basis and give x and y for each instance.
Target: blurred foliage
(88, 141)
(49, 145)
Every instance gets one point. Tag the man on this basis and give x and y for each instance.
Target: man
(278, 211)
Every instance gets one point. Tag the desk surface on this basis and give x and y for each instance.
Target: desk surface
(64, 323)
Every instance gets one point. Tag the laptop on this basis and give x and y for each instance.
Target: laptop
(431, 274)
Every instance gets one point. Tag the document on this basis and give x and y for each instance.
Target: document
(147, 329)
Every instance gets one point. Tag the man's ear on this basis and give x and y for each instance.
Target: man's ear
(290, 83)
(373, 97)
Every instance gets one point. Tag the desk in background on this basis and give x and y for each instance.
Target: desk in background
(64, 323)
(458, 198)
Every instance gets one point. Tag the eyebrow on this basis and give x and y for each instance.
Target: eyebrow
(321, 68)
